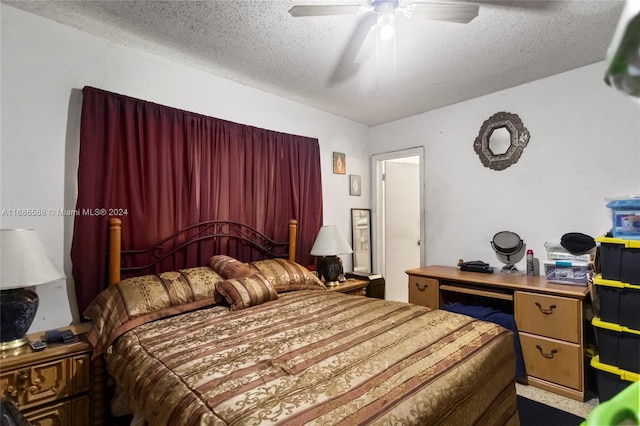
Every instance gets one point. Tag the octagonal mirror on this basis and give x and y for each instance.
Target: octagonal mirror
(501, 140)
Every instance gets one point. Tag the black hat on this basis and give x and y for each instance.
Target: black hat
(577, 243)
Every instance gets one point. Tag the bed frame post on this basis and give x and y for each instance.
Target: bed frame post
(293, 235)
(115, 228)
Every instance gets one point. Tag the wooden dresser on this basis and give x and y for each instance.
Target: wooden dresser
(549, 318)
(58, 386)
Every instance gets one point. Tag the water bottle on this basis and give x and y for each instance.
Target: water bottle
(530, 262)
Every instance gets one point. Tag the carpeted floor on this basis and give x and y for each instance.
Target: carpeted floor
(533, 413)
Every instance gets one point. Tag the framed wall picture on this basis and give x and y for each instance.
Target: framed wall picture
(339, 163)
(355, 187)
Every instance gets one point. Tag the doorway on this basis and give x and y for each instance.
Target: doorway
(398, 200)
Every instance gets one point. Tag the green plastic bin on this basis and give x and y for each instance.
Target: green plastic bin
(622, 409)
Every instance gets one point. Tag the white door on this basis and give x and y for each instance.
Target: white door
(402, 226)
(399, 218)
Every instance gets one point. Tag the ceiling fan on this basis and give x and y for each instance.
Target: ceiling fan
(380, 16)
(386, 11)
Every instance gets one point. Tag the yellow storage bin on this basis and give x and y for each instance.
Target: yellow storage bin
(611, 379)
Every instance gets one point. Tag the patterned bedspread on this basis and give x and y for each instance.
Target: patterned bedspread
(317, 357)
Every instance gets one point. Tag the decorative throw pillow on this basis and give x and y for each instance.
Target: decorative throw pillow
(286, 275)
(139, 300)
(245, 292)
(228, 267)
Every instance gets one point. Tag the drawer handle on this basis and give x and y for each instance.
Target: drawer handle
(546, 311)
(23, 378)
(549, 355)
(12, 392)
(423, 288)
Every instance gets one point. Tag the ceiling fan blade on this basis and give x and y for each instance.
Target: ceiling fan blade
(347, 66)
(450, 12)
(367, 46)
(323, 10)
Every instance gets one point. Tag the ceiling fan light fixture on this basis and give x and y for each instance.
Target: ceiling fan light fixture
(386, 29)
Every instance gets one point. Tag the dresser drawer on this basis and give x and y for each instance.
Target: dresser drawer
(552, 360)
(58, 414)
(46, 382)
(74, 412)
(423, 291)
(550, 316)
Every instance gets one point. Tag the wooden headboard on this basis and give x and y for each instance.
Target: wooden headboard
(200, 232)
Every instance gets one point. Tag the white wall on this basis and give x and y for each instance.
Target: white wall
(584, 146)
(44, 67)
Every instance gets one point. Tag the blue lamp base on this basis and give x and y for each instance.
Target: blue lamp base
(17, 310)
(330, 268)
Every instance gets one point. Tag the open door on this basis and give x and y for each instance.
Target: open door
(399, 207)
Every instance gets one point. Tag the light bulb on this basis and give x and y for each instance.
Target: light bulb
(385, 26)
(386, 32)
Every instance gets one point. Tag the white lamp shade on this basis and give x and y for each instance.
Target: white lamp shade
(330, 242)
(24, 261)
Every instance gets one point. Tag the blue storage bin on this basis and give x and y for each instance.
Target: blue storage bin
(626, 218)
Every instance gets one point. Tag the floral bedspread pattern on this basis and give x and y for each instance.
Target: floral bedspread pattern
(317, 357)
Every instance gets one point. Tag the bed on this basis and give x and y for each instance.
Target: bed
(264, 342)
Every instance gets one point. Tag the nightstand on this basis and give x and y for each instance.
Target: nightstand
(60, 385)
(376, 285)
(351, 286)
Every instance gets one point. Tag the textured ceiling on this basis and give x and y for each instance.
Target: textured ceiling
(257, 43)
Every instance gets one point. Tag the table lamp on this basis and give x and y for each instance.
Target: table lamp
(24, 263)
(328, 245)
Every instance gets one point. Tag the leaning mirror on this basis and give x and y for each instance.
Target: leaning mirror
(501, 140)
(361, 239)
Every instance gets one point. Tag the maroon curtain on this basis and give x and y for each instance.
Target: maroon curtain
(161, 169)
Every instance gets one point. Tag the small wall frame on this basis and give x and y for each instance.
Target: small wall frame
(355, 185)
(339, 163)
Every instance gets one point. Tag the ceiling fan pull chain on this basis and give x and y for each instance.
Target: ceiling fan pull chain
(394, 60)
(377, 57)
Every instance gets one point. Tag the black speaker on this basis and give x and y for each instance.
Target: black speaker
(375, 288)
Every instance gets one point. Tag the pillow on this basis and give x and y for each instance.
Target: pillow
(245, 292)
(228, 267)
(286, 275)
(135, 301)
